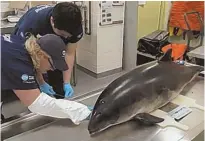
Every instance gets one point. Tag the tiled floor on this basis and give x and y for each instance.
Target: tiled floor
(85, 84)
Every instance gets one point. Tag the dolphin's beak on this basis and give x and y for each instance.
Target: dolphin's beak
(91, 128)
(93, 132)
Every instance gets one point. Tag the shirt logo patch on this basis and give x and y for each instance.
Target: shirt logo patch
(28, 78)
(22, 35)
(41, 8)
(24, 77)
(7, 38)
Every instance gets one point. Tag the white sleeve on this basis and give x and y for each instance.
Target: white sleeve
(59, 108)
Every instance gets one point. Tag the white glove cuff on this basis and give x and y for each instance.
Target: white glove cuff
(59, 108)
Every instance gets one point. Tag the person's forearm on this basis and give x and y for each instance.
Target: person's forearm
(70, 62)
(40, 78)
(59, 108)
(42, 104)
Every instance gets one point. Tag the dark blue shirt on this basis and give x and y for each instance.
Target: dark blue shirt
(37, 21)
(17, 70)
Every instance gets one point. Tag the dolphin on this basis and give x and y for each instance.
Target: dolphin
(144, 89)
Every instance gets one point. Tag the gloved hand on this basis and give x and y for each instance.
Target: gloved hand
(46, 88)
(90, 108)
(68, 90)
(180, 62)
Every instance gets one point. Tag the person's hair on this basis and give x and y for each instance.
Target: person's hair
(35, 51)
(67, 16)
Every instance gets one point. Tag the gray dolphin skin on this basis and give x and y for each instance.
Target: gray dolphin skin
(137, 93)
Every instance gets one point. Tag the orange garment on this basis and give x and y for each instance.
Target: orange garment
(178, 50)
(179, 8)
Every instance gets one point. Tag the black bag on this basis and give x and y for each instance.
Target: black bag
(152, 43)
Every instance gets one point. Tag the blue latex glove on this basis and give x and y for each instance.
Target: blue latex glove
(46, 88)
(68, 90)
(90, 108)
(180, 62)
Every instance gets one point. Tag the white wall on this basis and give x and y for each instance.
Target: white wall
(87, 51)
(5, 6)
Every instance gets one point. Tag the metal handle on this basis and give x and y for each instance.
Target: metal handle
(87, 22)
(73, 74)
(189, 28)
(198, 16)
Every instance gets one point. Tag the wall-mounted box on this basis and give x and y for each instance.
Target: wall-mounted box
(101, 52)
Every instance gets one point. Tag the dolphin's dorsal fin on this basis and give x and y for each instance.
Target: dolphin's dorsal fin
(148, 119)
(167, 57)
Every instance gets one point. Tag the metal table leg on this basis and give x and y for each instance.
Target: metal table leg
(73, 75)
(190, 30)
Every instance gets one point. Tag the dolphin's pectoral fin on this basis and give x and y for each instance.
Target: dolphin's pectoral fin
(148, 119)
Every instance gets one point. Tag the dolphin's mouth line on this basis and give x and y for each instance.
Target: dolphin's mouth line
(102, 129)
(109, 126)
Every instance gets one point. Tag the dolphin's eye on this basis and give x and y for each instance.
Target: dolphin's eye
(102, 101)
(98, 115)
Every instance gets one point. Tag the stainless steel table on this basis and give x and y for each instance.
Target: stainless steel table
(6, 27)
(197, 53)
(64, 130)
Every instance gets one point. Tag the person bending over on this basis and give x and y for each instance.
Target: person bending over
(22, 60)
(65, 20)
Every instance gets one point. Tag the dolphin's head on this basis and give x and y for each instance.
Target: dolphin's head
(104, 114)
